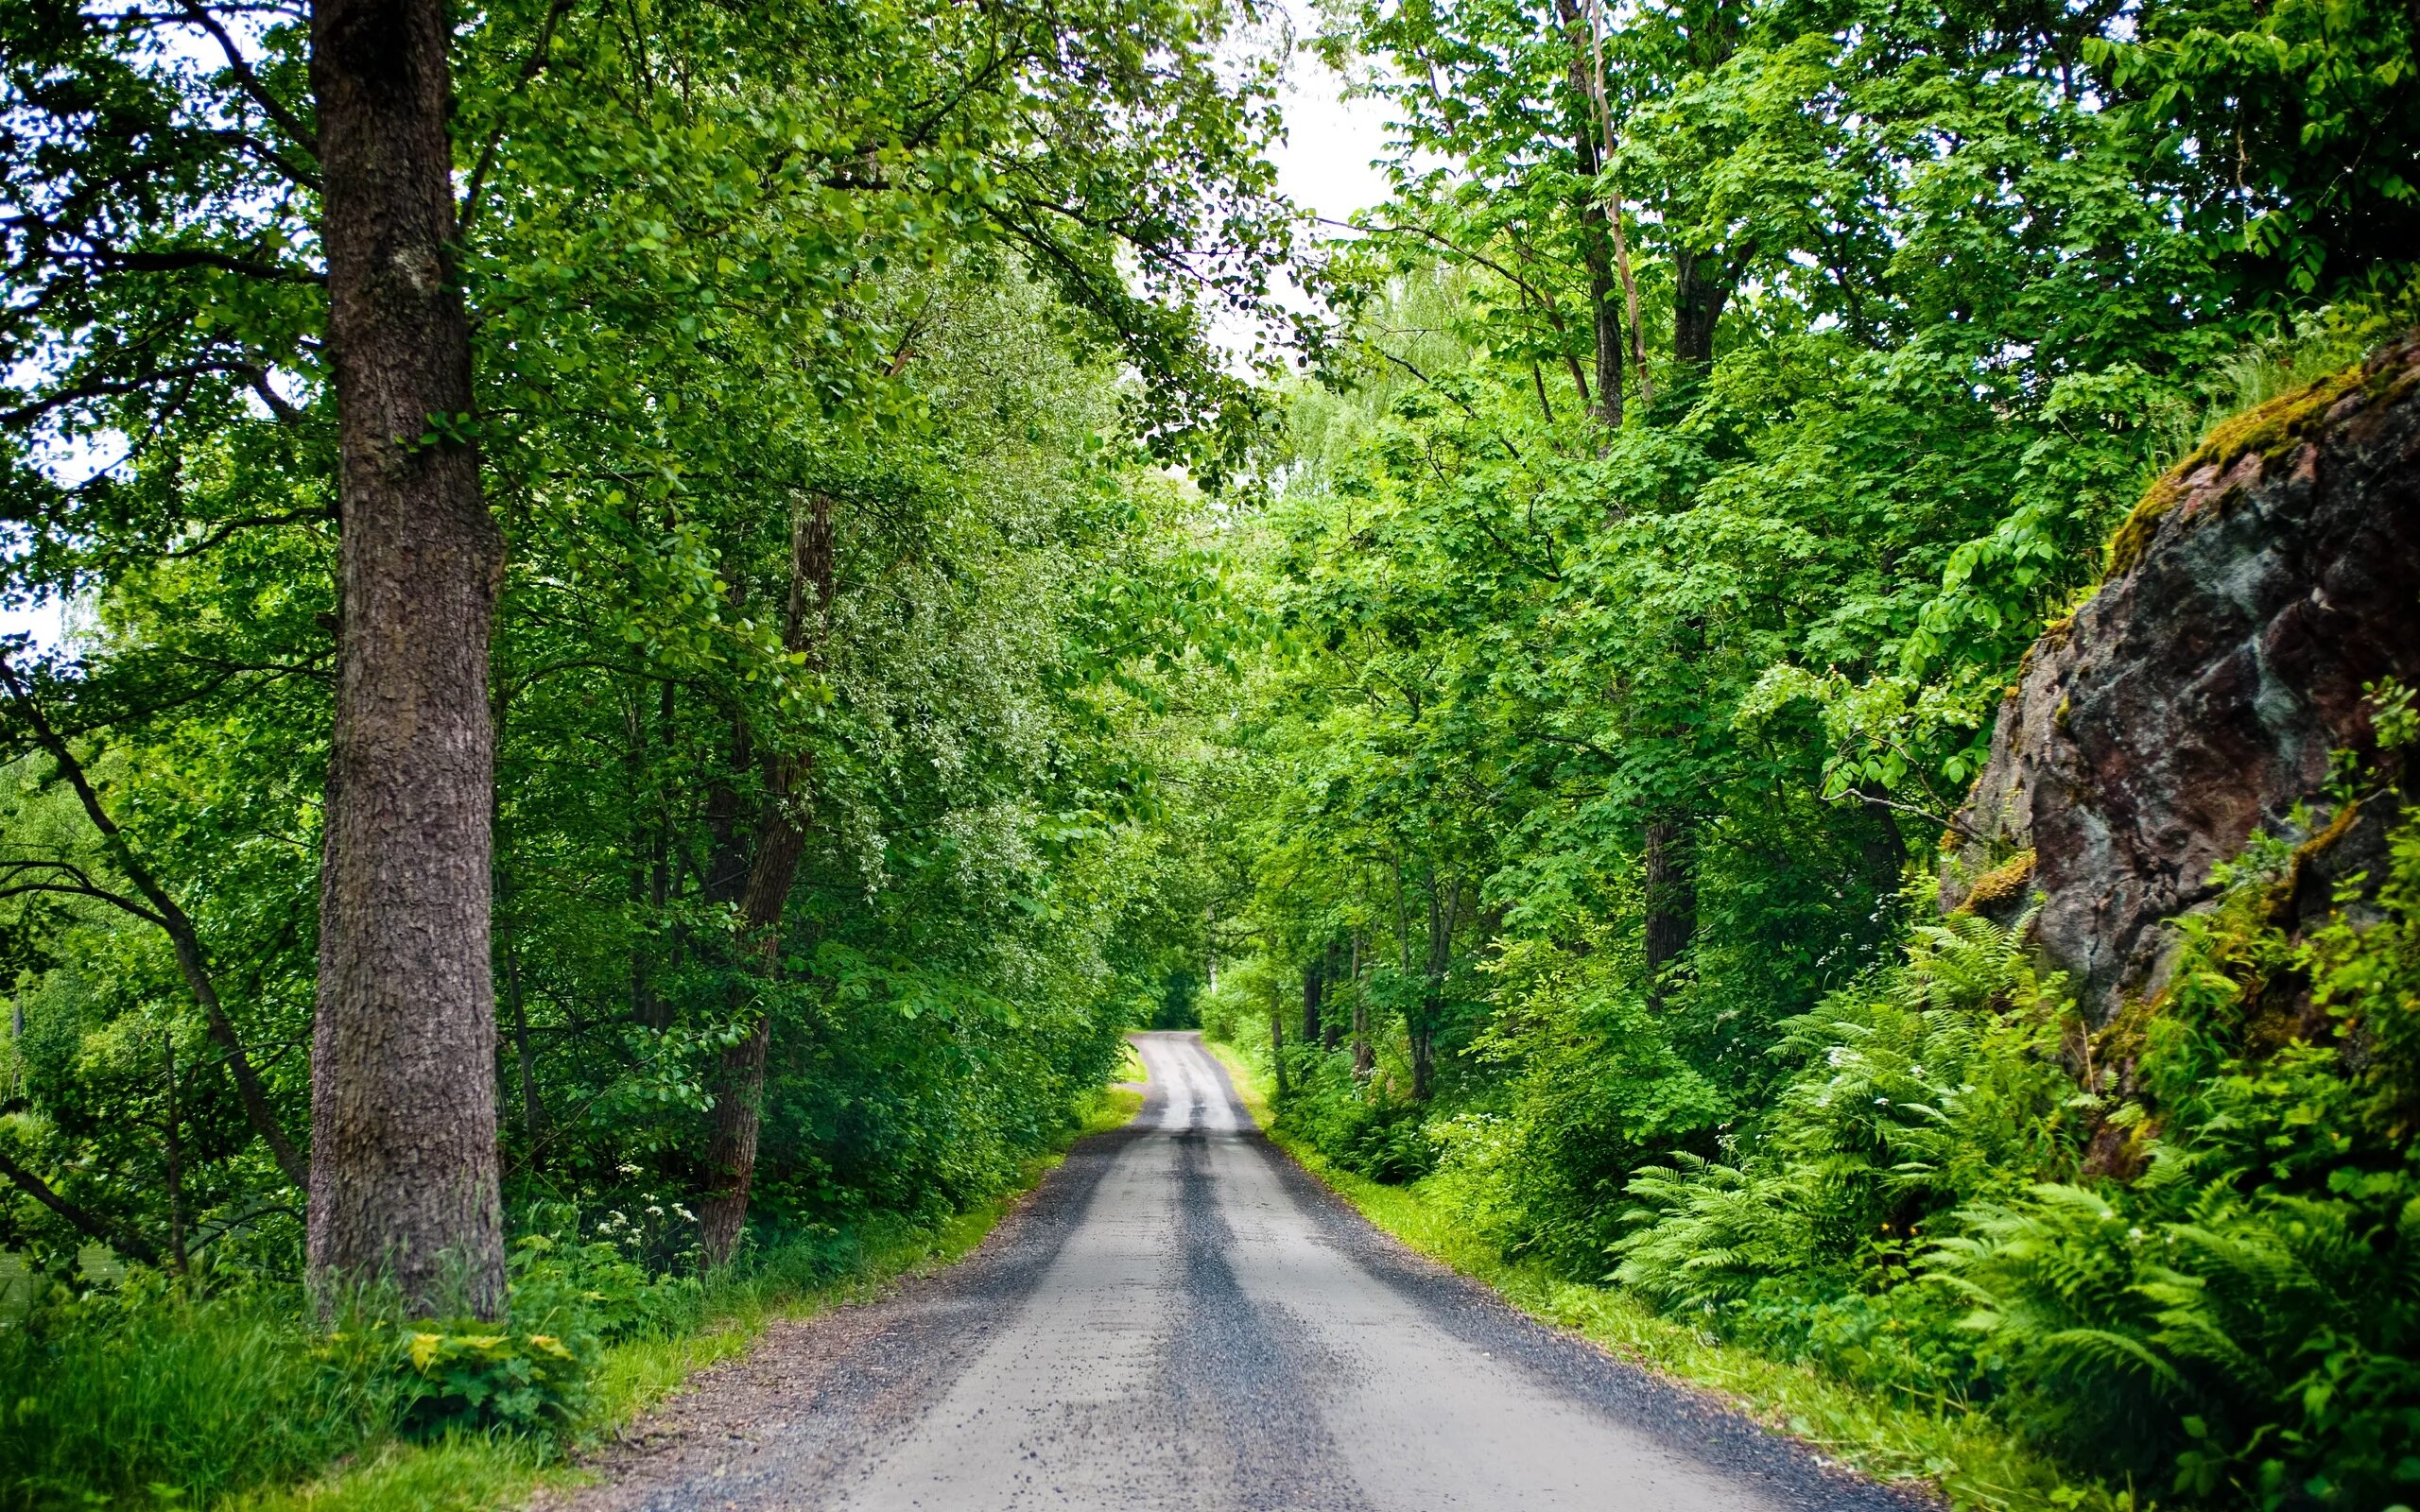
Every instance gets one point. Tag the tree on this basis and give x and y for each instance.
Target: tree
(404, 1177)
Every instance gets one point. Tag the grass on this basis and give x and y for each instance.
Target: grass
(220, 1403)
(1129, 1064)
(1967, 1456)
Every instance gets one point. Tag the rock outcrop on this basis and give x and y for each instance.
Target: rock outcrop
(2200, 694)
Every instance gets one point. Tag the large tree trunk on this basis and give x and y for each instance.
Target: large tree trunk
(779, 840)
(404, 1119)
(1701, 290)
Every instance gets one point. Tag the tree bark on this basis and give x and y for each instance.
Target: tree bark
(1277, 1040)
(1364, 1059)
(1701, 290)
(1331, 1025)
(1672, 898)
(403, 1171)
(1444, 911)
(173, 1129)
(779, 840)
(1314, 985)
(1595, 249)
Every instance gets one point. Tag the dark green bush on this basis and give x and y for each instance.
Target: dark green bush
(2232, 1318)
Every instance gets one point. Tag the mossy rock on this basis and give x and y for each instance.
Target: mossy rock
(2270, 431)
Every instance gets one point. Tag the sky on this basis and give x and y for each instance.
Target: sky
(1324, 164)
(1323, 167)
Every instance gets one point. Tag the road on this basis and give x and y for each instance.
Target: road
(1179, 1318)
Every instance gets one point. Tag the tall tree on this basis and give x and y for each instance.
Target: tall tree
(404, 1181)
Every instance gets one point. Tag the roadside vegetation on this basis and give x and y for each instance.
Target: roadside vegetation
(1713, 433)
(668, 635)
(155, 1393)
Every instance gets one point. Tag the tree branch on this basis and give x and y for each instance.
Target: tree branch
(91, 1224)
(191, 962)
(248, 81)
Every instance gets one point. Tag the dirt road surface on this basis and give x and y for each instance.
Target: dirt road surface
(1179, 1318)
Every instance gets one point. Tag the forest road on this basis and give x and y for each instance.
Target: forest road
(1179, 1318)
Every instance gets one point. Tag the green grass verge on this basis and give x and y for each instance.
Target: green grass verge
(476, 1473)
(1969, 1458)
(1129, 1064)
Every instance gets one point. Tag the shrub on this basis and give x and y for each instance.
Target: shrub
(149, 1395)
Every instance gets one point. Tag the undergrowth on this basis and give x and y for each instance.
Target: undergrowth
(2173, 1258)
(151, 1393)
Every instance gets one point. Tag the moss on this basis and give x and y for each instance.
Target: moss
(1999, 884)
(2281, 892)
(2270, 431)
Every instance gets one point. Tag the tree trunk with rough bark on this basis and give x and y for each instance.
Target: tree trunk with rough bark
(1671, 896)
(404, 1178)
(779, 841)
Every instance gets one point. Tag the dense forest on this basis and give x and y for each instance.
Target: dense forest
(673, 622)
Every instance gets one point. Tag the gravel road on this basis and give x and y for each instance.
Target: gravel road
(1179, 1318)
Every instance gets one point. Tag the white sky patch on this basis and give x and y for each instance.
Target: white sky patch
(46, 623)
(1324, 165)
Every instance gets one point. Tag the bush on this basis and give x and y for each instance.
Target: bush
(147, 1394)
(2234, 1314)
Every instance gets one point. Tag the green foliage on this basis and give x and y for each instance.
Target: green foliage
(1915, 1212)
(2243, 1311)
(147, 1395)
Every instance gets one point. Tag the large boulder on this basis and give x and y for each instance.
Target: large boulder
(2200, 694)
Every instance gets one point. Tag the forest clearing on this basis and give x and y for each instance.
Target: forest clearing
(1728, 767)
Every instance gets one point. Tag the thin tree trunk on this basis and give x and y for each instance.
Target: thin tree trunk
(1445, 909)
(1595, 238)
(1277, 1038)
(780, 840)
(647, 1005)
(404, 1170)
(1672, 898)
(1331, 1024)
(1314, 985)
(176, 1157)
(1614, 208)
(1364, 1059)
(533, 1114)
